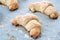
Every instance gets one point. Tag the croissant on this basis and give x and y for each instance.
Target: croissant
(44, 7)
(30, 23)
(11, 4)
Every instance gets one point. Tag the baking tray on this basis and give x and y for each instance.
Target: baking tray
(50, 28)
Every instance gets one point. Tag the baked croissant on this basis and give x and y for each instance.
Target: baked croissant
(44, 7)
(30, 23)
(12, 4)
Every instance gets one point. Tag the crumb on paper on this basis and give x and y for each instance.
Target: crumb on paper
(26, 36)
(3, 26)
(13, 38)
(49, 38)
(20, 31)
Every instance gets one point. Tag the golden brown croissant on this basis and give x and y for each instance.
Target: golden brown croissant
(12, 4)
(30, 23)
(44, 7)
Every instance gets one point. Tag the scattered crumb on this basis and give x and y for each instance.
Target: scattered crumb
(12, 38)
(26, 36)
(20, 31)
